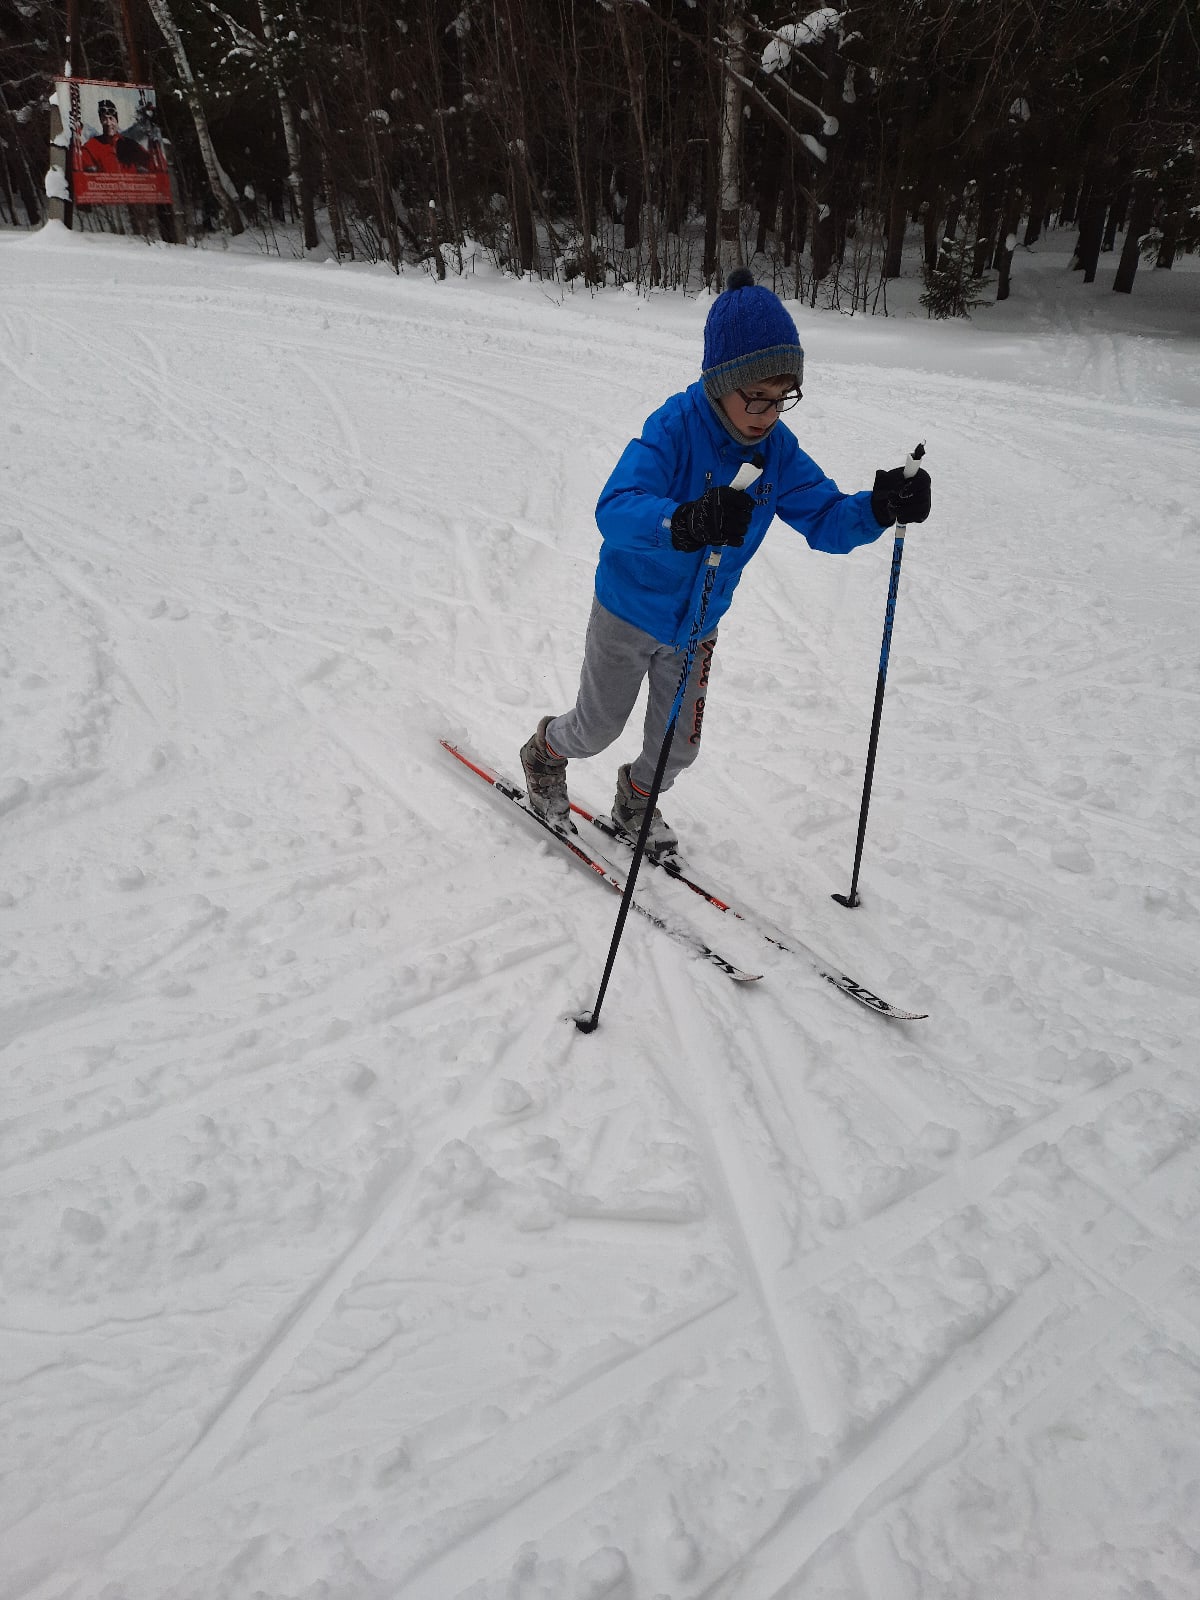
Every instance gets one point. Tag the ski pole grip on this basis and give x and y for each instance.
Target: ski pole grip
(749, 472)
(911, 466)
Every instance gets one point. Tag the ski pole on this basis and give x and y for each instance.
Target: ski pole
(851, 899)
(745, 476)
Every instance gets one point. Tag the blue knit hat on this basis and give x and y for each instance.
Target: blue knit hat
(748, 337)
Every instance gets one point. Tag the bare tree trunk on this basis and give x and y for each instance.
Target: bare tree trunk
(801, 228)
(218, 179)
(8, 188)
(1141, 215)
(574, 124)
(896, 217)
(950, 226)
(507, 40)
(1038, 205)
(1068, 211)
(984, 251)
(389, 225)
(894, 163)
(827, 227)
(341, 238)
(1006, 242)
(787, 217)
(435, 246)
(631, 218)
(522, 210)
(1169, 245)
(447, 198)
(769, 189)
(644, 187)
(25, 184)
(567, 63)
(929, 230)
(301, 199)
(823, 241)
(1117, 213)
(1091, 231)
(712, 207)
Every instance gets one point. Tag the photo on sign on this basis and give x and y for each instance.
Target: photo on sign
(116, 152)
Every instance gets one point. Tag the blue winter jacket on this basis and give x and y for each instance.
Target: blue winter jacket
(684, 450)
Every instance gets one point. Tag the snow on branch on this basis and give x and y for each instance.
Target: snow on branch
(805, 141)
(829, 125)
(795, 35)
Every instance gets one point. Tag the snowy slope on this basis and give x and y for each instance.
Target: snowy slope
(336, 1264)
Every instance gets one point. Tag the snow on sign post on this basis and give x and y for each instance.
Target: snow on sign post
(115, 156)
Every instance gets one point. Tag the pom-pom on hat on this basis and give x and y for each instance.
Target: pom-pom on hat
(748, 337)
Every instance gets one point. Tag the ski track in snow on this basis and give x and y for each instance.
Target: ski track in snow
(337, 1262)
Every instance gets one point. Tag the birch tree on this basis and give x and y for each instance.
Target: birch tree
(219, 181)
(729, 184)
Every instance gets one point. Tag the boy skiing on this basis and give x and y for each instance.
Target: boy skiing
(668, 500)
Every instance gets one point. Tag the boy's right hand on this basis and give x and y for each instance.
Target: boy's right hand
(720, 516)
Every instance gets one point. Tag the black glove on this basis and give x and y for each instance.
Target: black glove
(896, 498)
(720, 516)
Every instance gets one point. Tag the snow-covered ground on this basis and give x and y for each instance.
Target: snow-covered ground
(337, 1265)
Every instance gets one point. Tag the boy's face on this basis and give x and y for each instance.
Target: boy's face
(755, 411)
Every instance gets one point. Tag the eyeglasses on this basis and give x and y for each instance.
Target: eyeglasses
(757, 406)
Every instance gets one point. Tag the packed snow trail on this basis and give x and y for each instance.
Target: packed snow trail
(337, 1262)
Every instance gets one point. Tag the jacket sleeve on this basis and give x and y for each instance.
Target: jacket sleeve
(814, 505)
(636, 504)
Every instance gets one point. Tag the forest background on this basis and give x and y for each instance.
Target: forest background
(646, 142)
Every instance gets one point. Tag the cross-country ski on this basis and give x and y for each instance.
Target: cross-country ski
(788, 942)
(603, 868)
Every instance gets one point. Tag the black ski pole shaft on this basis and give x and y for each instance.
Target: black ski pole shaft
(851, 899)
(588, 1023)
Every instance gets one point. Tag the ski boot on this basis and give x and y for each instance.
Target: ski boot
(629, 808)
(546, 781)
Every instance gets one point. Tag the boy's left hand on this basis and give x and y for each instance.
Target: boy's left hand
(896, 498)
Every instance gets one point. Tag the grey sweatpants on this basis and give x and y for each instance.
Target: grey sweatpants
(616, 657)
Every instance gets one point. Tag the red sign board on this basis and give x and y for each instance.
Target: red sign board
(115, 156)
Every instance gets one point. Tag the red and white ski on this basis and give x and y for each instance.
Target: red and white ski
(782, 941)
(600, 865)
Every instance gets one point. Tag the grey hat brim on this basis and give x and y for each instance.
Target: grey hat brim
(776, 361)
